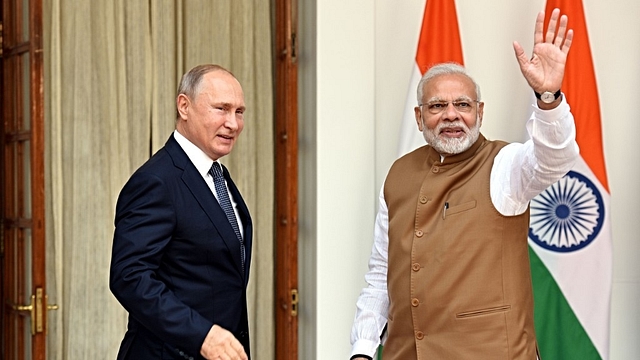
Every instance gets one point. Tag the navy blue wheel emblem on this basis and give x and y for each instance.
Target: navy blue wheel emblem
(568, 215)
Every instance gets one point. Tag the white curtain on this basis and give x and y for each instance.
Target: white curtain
(111, 72)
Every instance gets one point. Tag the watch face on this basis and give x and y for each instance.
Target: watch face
(547, 97)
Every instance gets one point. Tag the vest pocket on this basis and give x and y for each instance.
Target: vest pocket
(482, 331)
(480, 312)
(457, 208)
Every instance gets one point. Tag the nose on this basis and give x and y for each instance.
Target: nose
(231, 122)
(450, 112)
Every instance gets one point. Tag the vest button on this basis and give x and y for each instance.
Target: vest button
(423, 199)
(419, 335)
(419, 233)
(415, 302)
(436, 169)
(415, 267)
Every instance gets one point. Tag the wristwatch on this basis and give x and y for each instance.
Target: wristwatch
(548, 97)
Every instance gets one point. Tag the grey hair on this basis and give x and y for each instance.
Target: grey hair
(449, 68)
(191, 81)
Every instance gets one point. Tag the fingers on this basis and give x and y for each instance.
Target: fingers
(553, 22)
(239, 351)
(539, 29)
(567, 42)
(232, 351)
(520, 55)
(229, 357)
(221, 344)
(561, 31)
(557, 32)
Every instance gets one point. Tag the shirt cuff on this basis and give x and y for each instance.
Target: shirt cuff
(361, 356)
(365, 348)
(558, 112)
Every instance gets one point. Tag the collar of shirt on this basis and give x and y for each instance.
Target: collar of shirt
(203, 163)
(200, 160)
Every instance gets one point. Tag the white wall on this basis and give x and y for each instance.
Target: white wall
(337, 93)
(355, 66)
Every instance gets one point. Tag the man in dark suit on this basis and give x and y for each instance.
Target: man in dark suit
(180, 264)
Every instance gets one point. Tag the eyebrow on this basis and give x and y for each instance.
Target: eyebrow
(438, 99)
(227, 105)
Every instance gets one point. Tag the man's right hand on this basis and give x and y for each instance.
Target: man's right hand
(221, 344)
(544, 71)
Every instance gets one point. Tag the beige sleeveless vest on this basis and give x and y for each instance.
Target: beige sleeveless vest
(459, 279)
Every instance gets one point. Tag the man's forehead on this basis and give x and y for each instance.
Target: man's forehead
(222, 89)
(448, 85)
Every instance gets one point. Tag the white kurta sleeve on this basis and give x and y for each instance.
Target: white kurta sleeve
(372, 307)
(522, 171)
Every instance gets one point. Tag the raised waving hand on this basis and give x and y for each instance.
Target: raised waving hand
(544, 71)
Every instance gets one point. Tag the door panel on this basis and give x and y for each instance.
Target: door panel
(22, 237)
(286, 132)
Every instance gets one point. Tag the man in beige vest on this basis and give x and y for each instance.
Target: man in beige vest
(449, 271)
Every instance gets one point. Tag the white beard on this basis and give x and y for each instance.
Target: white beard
(452, 146)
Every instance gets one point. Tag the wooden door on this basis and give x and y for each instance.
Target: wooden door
(286, 147)
(22, 235)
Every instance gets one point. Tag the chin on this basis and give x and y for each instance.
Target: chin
(451, 146)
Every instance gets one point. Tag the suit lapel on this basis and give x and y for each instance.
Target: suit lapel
(207, 201)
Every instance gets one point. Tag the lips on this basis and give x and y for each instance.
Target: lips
(452, 131)
(226, 137)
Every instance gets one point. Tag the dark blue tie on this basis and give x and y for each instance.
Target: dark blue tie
(225, 203)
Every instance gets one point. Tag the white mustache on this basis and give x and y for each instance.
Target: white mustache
(455, 125)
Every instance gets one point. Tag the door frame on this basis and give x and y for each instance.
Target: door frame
(286, 179)
(23, 207)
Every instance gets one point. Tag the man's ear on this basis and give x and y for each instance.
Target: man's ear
(480, 112)
(418, 114)
(182, 104)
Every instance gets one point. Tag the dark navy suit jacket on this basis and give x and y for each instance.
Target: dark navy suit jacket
(176, 265)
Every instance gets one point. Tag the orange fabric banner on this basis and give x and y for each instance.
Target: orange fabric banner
(439, 42)
(579, 86)
(439, 37)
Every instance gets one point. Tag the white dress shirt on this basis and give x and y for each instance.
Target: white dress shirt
(203, 164)
(519, 173)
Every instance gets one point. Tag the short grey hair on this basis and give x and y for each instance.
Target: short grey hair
(449, 68)
(191, 81)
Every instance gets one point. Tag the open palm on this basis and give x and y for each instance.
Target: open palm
(545, 70)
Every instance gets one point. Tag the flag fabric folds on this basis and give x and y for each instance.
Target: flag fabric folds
(439, 42)
(570, 232)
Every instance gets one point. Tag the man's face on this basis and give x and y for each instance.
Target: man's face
(450, 116)
(214, 119)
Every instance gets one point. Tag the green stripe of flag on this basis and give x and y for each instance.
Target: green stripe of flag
(560, 334)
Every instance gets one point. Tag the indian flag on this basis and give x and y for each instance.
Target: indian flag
(570, 231)
(439, 42)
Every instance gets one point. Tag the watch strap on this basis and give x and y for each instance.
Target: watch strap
(556, 95)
